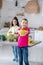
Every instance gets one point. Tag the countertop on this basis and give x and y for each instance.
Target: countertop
(15, 43)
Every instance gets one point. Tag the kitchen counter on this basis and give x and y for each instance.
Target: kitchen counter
(2, 43)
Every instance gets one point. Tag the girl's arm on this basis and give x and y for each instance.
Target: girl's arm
(9, 31)
(18, 31)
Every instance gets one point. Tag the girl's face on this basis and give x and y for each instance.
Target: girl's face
(14, 22)
(24, 23)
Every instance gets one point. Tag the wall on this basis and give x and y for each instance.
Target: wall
(0, 18)
(9, 11)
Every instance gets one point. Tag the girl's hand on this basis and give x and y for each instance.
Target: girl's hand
(15, 34)
(11, 34)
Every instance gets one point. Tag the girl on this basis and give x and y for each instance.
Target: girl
(13, 29)
(23, 34)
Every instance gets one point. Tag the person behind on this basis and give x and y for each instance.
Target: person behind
(23, 34)
(12, 30)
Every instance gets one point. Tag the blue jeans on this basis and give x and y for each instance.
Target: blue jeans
(23, 54)
(15, 52)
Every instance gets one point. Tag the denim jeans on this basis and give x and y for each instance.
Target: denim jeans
(23, 55)
(15, 52)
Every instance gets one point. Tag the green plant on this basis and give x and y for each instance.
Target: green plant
(3, 37)
(10, 38)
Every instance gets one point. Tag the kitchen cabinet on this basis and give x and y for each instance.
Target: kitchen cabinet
(36, 53)
(38, 35)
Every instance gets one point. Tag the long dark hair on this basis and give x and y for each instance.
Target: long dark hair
(15, 18)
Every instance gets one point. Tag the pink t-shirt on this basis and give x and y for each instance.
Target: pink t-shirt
(23, 40)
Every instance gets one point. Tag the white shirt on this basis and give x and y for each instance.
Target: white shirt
(13, 29)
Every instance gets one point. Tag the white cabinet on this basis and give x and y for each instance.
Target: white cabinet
(38, 35)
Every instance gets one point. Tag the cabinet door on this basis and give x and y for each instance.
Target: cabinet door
(39, 35)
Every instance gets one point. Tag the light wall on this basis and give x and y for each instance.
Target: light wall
(9, 10)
